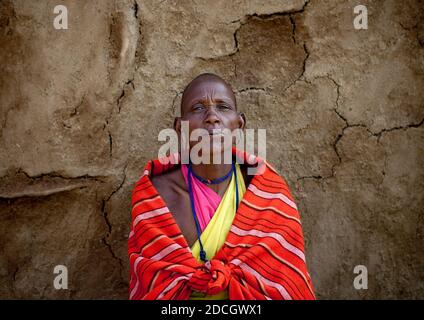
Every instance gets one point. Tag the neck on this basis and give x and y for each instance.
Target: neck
(213, 171)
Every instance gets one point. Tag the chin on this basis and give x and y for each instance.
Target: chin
(222, 155)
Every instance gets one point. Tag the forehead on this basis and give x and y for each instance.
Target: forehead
(208, 89)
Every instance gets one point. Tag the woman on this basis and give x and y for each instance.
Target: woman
(207, 230)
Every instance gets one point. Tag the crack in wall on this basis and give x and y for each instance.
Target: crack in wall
(275, 14)
(129, 82)
(301, 76)
(293, 23)
(137, 54)
(339, 136)
(245, 19)
(348, 125)
(119, 101)
(76, 108)
(42, 185)
(251, 89)
(290, 14)
(121, 97)
(110, 145)
(135, 9)
(55, 174)
(106, 218)
(305, 48)
(405, 127)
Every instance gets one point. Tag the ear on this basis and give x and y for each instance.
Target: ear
(242, 120)
(177, 125)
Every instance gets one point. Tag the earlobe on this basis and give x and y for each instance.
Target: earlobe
(242, 120)
(177, 124)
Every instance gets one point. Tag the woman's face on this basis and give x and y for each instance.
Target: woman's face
(209, 104)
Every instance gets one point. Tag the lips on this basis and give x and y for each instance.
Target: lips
(212, 131)
(215, 132)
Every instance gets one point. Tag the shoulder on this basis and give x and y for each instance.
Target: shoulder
(169, 181)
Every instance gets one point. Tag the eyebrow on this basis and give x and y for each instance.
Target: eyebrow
(224, 100)
(229, 101)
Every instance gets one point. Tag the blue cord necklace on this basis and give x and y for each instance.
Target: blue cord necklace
(207, 181)
(213, 181)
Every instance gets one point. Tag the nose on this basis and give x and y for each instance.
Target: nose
(212, 116)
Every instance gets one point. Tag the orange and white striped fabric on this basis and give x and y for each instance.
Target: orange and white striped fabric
(262, 258)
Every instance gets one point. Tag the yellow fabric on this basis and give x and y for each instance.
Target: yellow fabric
(215, 233)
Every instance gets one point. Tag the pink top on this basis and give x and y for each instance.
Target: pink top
(206, 201)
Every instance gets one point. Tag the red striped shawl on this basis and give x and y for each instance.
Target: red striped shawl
(263, 256)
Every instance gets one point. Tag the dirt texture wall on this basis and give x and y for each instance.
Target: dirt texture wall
(81, 109)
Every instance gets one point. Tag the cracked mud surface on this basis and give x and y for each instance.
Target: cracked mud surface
(80, 111)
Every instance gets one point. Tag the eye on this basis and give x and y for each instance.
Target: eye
(197, 107)
(223, 106)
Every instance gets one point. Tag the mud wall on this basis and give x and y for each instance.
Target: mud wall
(81, 108)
